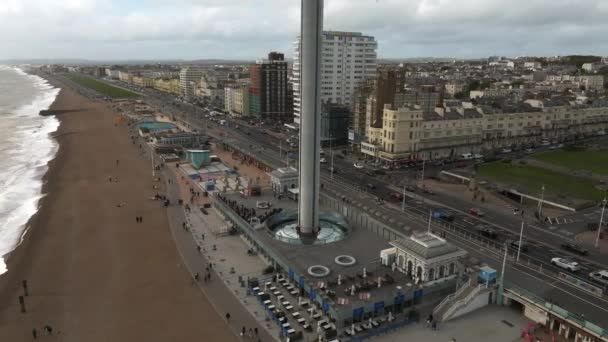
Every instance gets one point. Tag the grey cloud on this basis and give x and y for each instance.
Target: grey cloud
(250, 28)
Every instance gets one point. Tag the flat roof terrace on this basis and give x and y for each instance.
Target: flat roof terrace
(345, 259)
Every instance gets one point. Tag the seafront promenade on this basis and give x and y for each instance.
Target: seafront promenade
(223, 289)
(94, 274)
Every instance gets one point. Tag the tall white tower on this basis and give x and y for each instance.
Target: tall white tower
(310, 116)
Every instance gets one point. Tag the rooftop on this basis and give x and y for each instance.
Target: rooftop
(428, 246)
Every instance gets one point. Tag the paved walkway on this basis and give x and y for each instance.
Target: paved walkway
(486, 324)
(224, 291)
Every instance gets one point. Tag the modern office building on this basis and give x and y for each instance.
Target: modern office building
(189, 77)
(268, 90)
(334, 124)
(347, 59)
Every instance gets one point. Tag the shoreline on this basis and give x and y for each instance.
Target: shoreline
(93, 274)
(43, 189)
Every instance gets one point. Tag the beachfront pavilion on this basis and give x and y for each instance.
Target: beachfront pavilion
(345, 279)
(284, 179)
(425, 257)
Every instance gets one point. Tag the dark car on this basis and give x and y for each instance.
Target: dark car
(396, 196)
(444, 215)
(370, 173)
(379, 172)
(572, 247)
(371, 186)
(594, 225)
(515, 245)
(487, 232)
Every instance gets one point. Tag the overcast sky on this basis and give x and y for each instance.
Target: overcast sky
(248, 29)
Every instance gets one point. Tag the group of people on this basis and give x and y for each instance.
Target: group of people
(47, 330)
(248, 213)
(253, 332)
(241, 210)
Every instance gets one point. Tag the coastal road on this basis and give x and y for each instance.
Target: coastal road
(534, 272)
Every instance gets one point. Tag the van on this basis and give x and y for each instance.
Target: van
(466, 156)
(600, 276)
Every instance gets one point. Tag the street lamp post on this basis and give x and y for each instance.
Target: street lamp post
(599, 228)
(152, 161)
(501, 280)
(403, 199)
(521, 236)
(540, 203)
(331, 151)
(422, 174)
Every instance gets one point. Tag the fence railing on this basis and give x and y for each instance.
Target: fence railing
(451, 297)
(557, 310)
(384, 330)
(464, 301)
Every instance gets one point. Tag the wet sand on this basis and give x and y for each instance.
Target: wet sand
(94, 274)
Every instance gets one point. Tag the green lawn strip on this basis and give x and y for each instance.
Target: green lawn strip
(101, 87)
(532, 178)
(594, 161)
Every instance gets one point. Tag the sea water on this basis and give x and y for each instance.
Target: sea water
(26, 147)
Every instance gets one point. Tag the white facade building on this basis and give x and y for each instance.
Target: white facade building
(228, 99)
(347, 58)
(189, 77)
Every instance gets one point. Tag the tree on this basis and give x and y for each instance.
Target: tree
(461, 95)
(474, 85)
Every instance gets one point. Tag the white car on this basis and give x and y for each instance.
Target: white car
(478, 156)
(263, 205)
(600, 276)
(323, 160)
(545, 143)
(566, 264)
(358, 166)
(506, 150)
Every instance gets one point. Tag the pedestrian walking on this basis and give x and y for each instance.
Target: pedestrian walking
(255, 330)
(434, 325)
(196, 276)
(227, 316)
(22, 304)
(34, 333)
(250, 334)
(198, 248)
(203, 236)
(243, 331)
(136, 219)
(24, 284)
(48, 329)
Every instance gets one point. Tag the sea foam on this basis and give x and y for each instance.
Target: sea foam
(24, 162)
